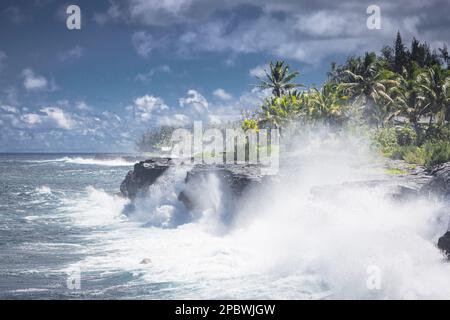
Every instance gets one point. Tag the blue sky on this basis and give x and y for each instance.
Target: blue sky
(141, 63)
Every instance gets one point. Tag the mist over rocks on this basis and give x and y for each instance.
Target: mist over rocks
(196, 193)
(440, 181)
(143, 175)
(234, 181)
(177, 192)
(407, 183)
(414, 181)
(440, 185)
(444, 243)
(237, 177)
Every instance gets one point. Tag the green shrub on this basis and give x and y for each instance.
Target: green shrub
(437, 152)
(389, 139)
(414, 155)
(250, 124)
(441, 133)
(434, 133)
(397, 152)
(406, 135)
(399, 143)
(386, 140)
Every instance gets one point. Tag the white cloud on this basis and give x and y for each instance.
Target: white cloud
(112, 116)
(327, 23)
(195, 101)
(27, 129)
(9, 109)
(144, 107)
(48, 118)
(57, 129)
(276, 37)
(150, 110)
(62, 120)
(304, 36)
(302, 30)
(196, 107)
(253, 98)
(31, 119)
(33, 82)
(222, 94)
(258, 71)
(232, 110)
(175, 120)
(143, 42)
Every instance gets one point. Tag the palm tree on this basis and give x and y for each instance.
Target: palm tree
(435, 84)
(279, 79)
(367, 83)
(408, 96)
(328, 105)
(277, 112)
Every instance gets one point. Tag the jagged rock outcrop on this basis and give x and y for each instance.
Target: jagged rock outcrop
(408, 184)
(143, 175)
(415, 182)
(206, 188)
(235, 178)
(439, 184)
(444, 243)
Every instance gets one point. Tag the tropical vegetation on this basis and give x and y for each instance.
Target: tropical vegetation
(402, 95)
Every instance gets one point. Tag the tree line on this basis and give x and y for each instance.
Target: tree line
(395, 91)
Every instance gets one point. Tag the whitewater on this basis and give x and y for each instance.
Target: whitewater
(309, 236)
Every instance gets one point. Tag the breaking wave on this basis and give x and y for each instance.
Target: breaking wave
(309, 236)
(100, 162)
(113, 162)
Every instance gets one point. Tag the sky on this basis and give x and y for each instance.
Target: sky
(136, 64)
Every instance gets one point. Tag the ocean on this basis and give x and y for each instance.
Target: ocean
(65, 233)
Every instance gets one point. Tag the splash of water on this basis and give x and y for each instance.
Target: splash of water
(160, 206)
(308, 236)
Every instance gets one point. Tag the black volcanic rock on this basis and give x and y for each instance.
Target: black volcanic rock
(206, 189)
(234, 180)
(237, 177)
(444, 243)
(143, 175)
(440, 182)
(440, 186)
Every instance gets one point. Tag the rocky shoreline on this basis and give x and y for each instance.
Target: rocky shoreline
(238, 178)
